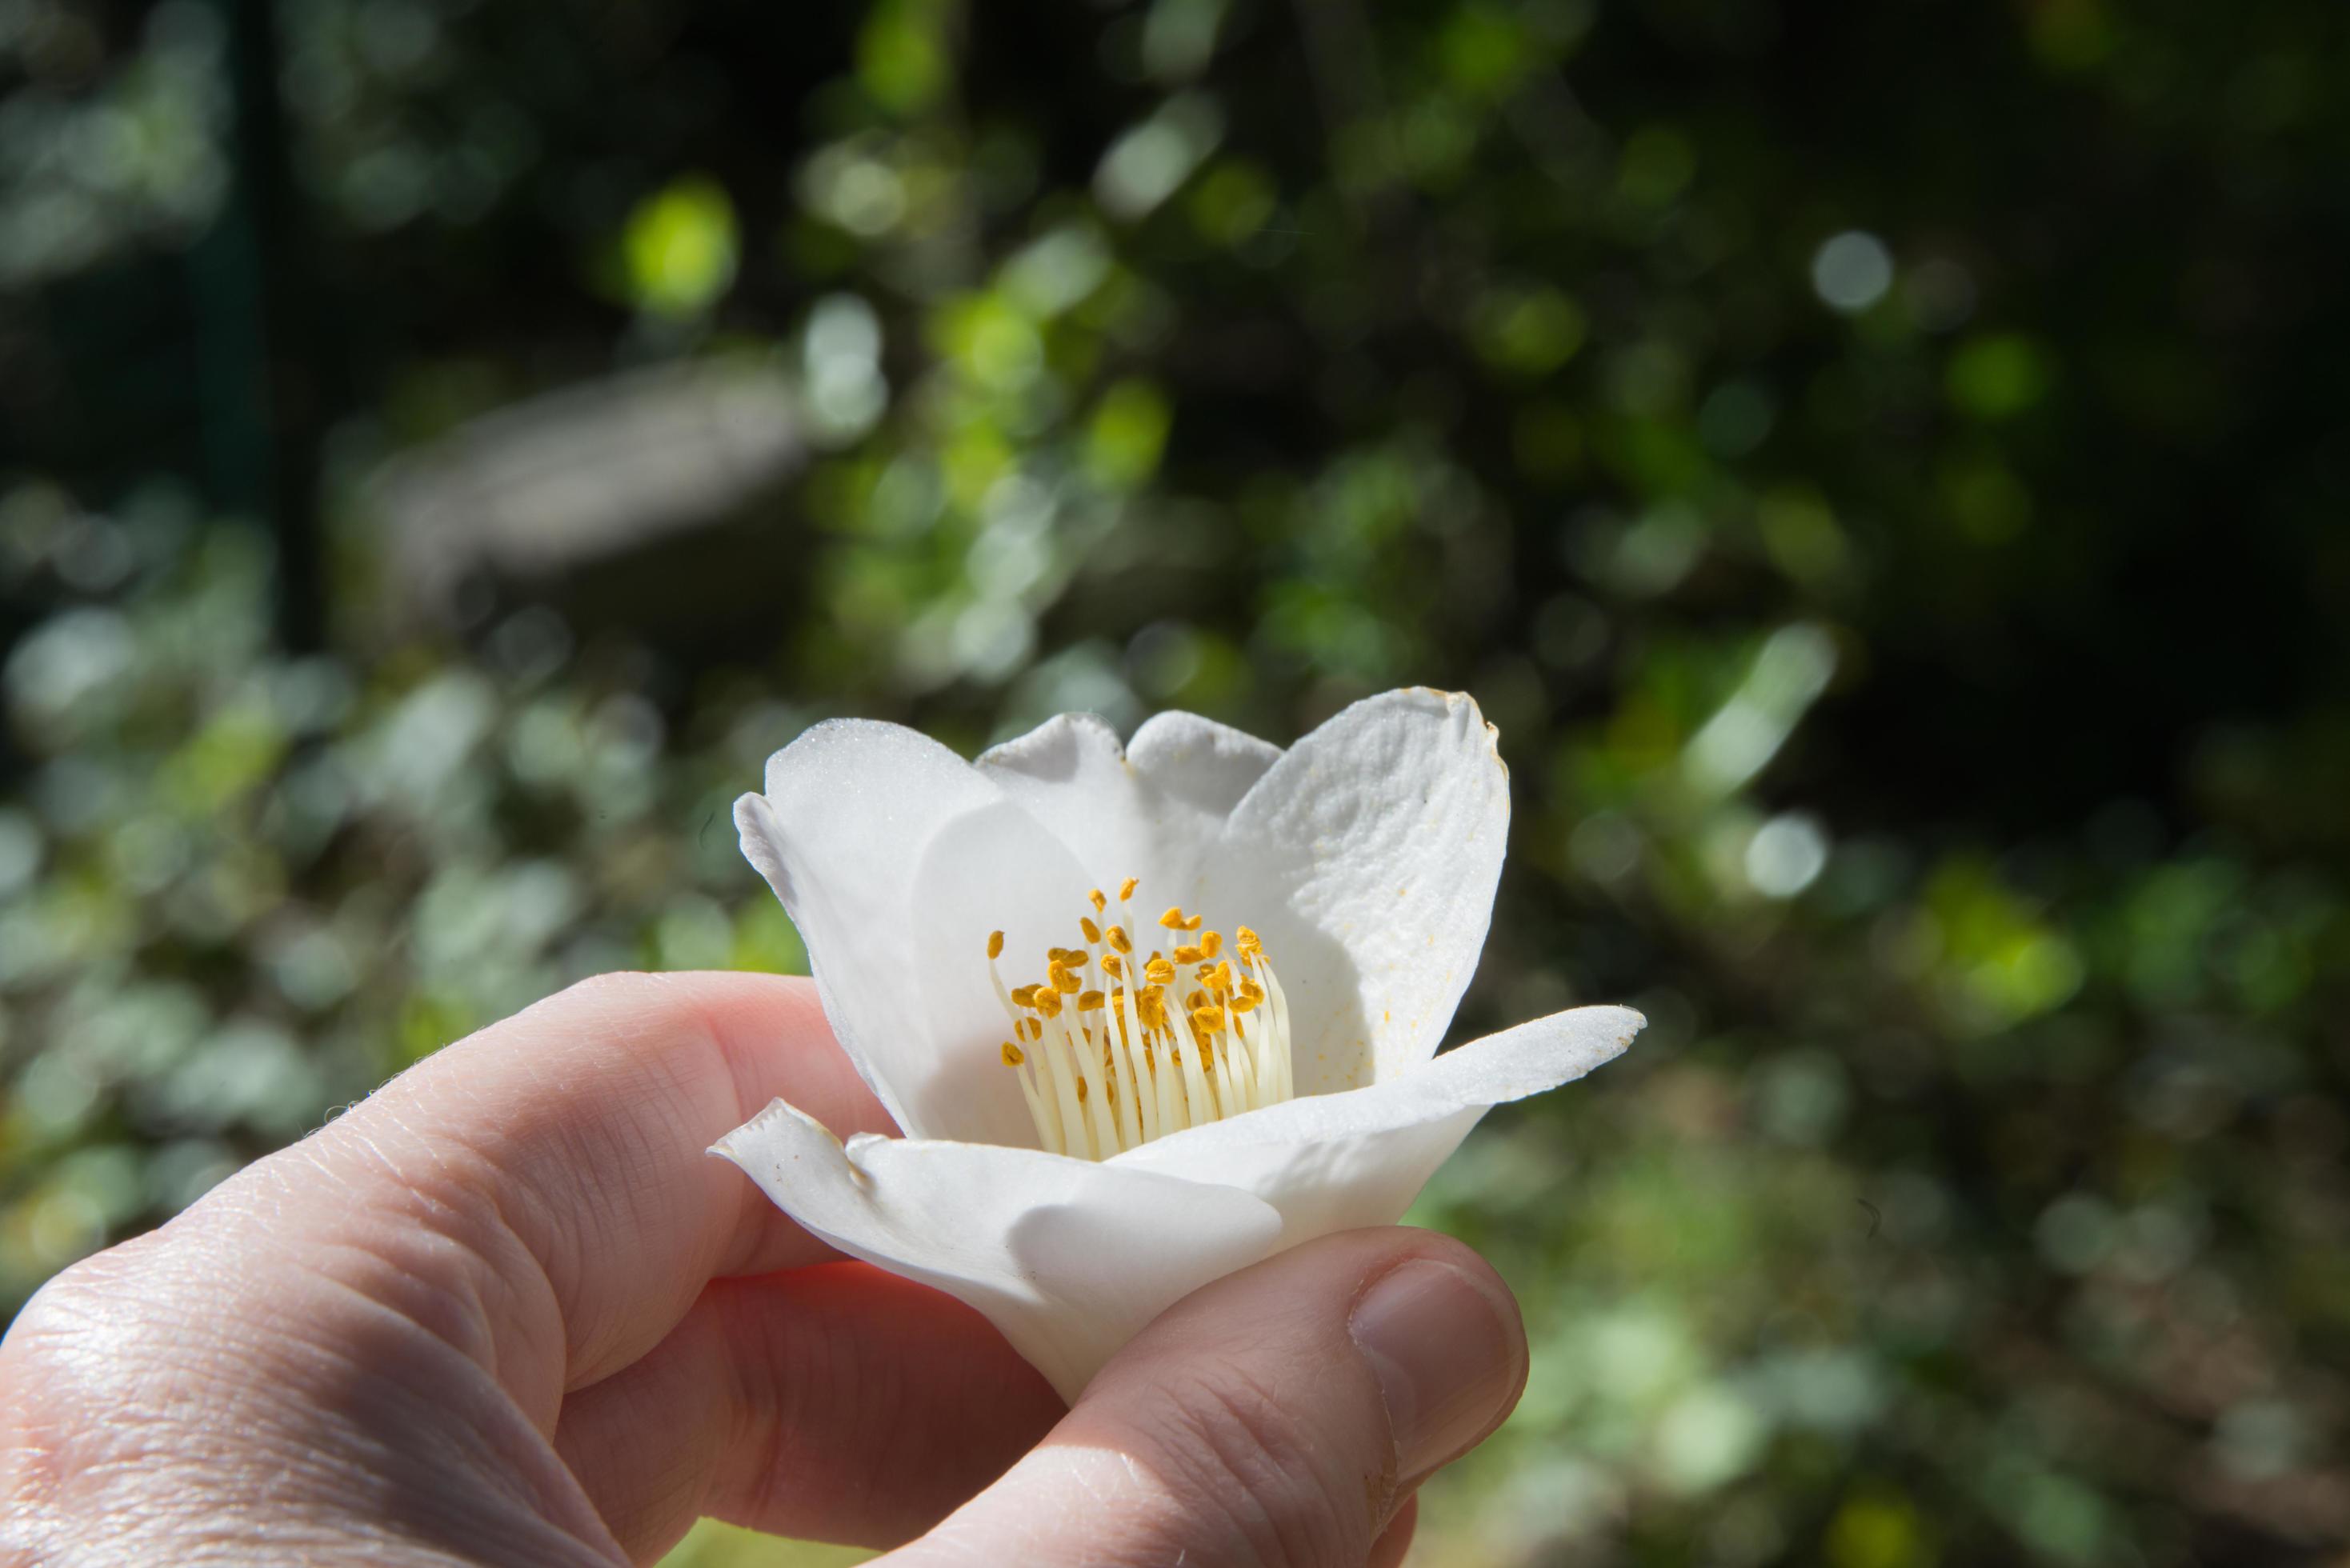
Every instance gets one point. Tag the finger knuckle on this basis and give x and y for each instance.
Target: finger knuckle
(72, 1357)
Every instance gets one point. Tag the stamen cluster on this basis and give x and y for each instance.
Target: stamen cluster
(1115, 1047)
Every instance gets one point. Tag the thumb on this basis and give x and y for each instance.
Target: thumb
(1280, 1415)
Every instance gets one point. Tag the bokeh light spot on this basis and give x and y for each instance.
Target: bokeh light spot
(1998, 376)
(1852, 271)
(1787, 855)
(680, 247)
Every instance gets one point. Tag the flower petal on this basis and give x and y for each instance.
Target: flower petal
(1335, 1162)
(1209, 765)
(1366, 857)
(1153, 810)
(896, 859)
(1069, 1259)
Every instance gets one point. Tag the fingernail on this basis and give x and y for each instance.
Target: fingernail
(1446, 1361)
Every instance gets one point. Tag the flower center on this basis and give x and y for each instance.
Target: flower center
(1156, 1044)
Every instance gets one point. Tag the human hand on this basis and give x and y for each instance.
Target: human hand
(508, 1311)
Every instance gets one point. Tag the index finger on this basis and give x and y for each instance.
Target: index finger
(580, 1129)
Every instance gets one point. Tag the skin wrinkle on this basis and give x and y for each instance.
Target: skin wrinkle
(743, 1407)
(383, 1381)
(830, 1082)
(524, 1212)
(755, 1393)
(876, 1396)
(647, 1518)
(1208, 1483)
(216, 1406)
(669, 1478)
(533, 1218)
(1074, 1467)
(827, 1377)
(511, 1291)
(818, 1372)
(729, 1444)
(616, 1163)
(467, 1214)
(760, 1488)
(1185, 1479)
(88, 1330)
(676, 1058)
(807, 1379)
(1267, 1414)
(137, 1533)
(1240, 1443)
(432, 1278)
(817, 1360)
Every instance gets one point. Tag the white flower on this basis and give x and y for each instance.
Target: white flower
(1289, 1087)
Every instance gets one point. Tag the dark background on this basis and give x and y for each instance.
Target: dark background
(1882, 465)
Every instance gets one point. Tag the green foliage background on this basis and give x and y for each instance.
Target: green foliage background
(1882, 466)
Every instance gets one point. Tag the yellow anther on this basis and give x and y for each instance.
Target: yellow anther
(1132, 1061)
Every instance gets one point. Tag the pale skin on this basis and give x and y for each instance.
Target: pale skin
(509, 1310)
